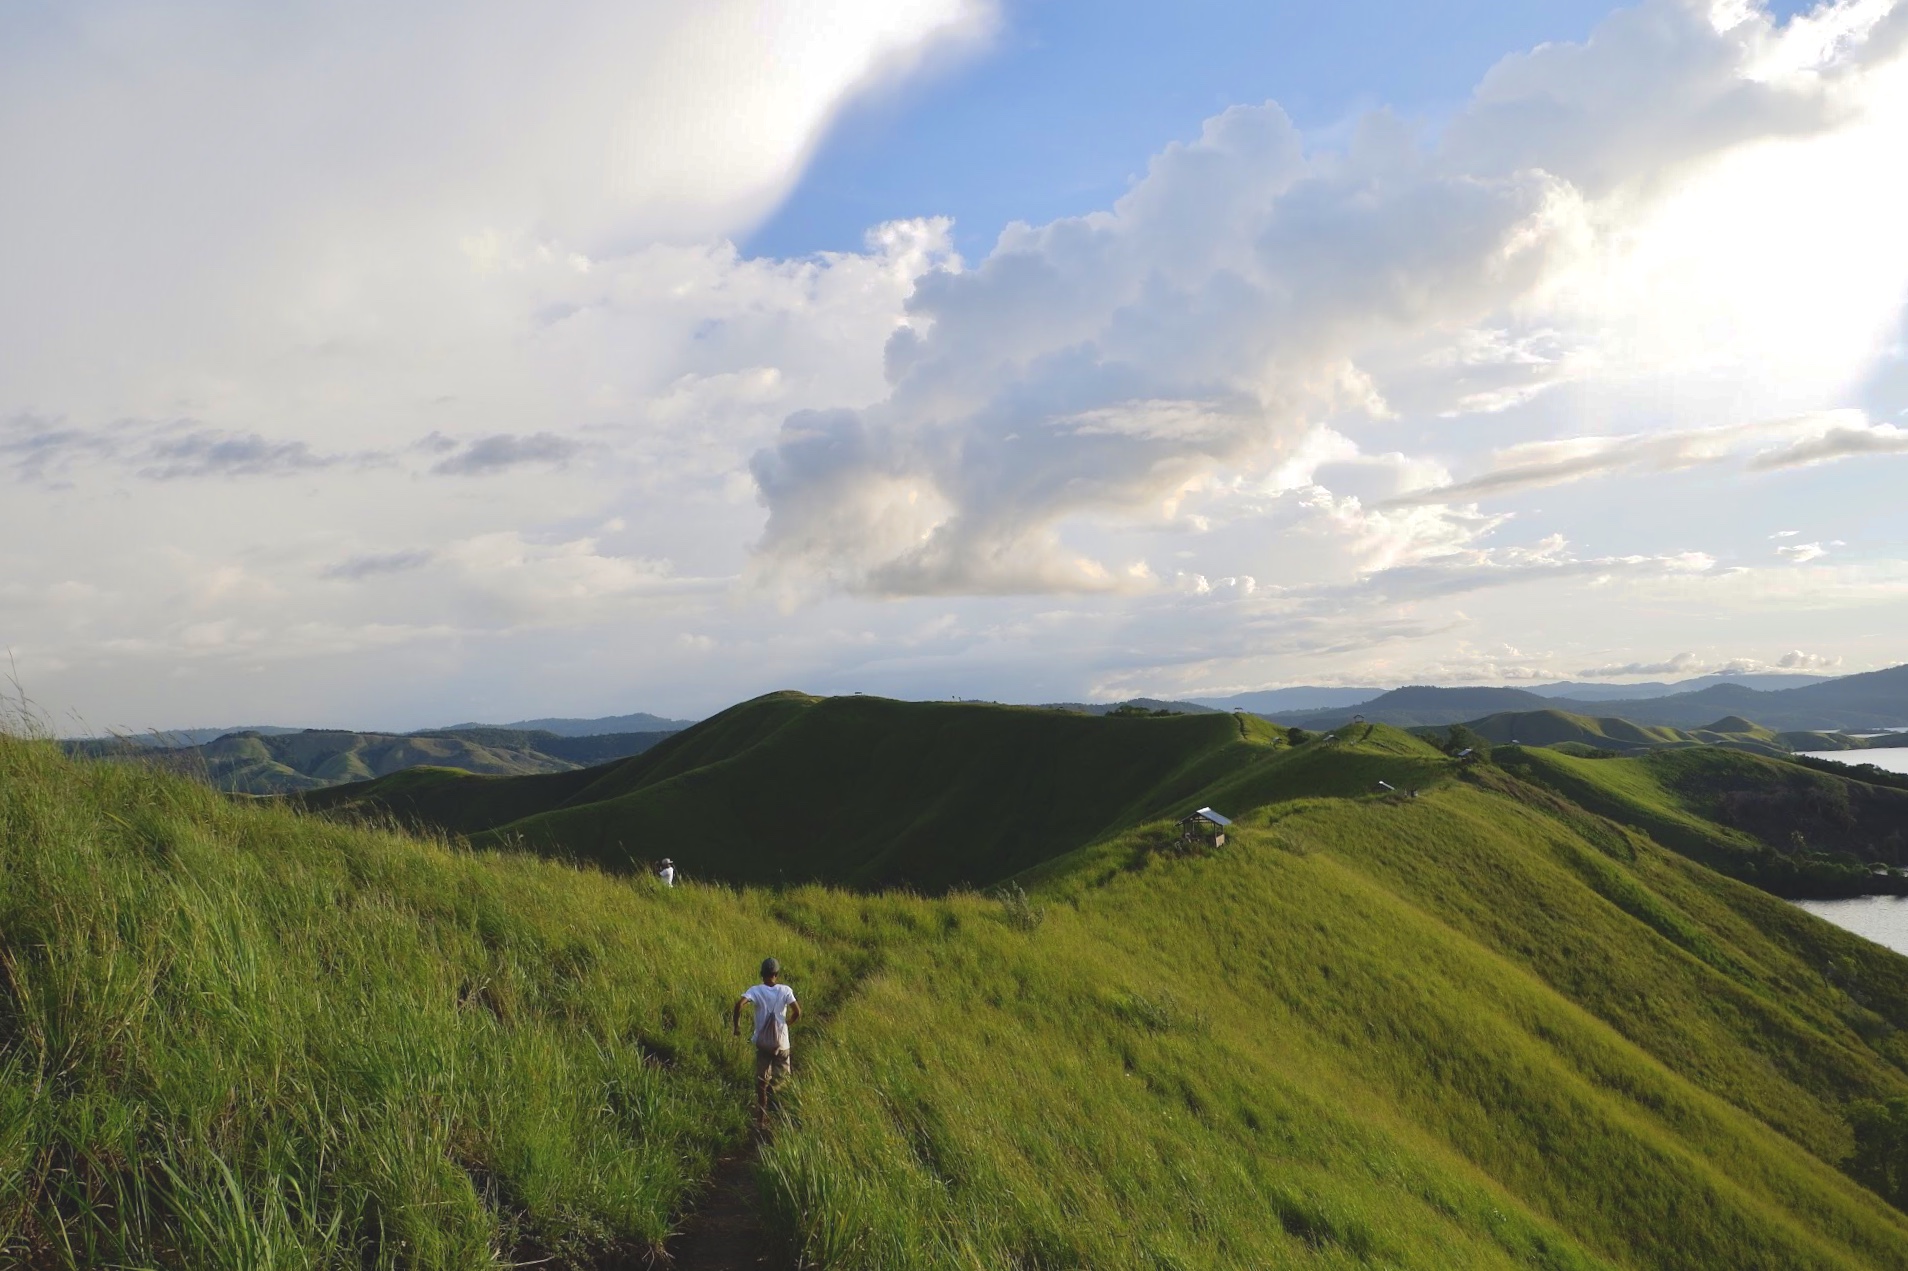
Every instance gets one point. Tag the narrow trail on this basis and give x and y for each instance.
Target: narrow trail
(725, 1232)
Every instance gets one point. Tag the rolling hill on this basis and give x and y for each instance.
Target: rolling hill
(1485, 1026)
(1301, 697)
(1422, 705)
(870, 792)
(1796, 830)
(285, 762)
(858, 790)
(1563, 728)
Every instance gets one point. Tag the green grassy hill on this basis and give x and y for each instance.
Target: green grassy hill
(1796, 830)
(1479, 1027)
(1579, 733)
(288, 762)
(866, 791)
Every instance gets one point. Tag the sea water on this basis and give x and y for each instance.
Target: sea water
(1883, 919)
(1893, 758)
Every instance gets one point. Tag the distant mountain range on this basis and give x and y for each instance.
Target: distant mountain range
(1873, 700)
(1311, 697)
(639, 722)
(1302, 697)
(284, 761)
(271, 759)
(606, 726)
(1590, 692)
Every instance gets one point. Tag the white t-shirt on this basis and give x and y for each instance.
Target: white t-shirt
(771, 1013)
(668, 874)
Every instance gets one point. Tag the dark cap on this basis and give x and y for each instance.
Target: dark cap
(771, 967)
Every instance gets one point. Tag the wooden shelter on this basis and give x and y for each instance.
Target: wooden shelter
(1204, 828)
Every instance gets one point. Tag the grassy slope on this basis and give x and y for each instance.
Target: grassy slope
(1481, 1027)
(233, 1036)
(1556, 727)
(1731, 810)
(1447, 1031)
(856, 790)
(1563, 728)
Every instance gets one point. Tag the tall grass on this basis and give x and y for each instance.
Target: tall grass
(1474, 1028)
(234, 1036)
(1420, 1034)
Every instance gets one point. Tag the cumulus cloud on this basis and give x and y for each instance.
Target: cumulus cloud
(1797, 660)
(1222, 424)
(1683, 664)
(1802, 553)
(1250, 289)
(1688, 665)
(1094, 366)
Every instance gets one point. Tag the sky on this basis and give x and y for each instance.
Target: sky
(389, 366)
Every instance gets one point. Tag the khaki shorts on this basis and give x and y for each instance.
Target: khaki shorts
(770, 1065)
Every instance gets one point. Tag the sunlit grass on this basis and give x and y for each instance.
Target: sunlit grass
(1465, 1029)
(235, 1036)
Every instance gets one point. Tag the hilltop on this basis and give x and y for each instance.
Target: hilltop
(283, 762)
(1484, 1026)
(1603, 732)
(1795, 830)
(868, 791)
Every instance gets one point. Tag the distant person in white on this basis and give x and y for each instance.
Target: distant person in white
(666, 870)
(775, 1009)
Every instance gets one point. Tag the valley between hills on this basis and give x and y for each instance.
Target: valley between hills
(1438, 1000)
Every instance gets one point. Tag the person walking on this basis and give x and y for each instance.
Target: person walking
(775, 1009)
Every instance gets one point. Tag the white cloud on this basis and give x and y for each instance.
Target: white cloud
(1683, 666)
(345, 209)
(1249, 290)
(458, 366)
(1843, 441)
(1782, 443)
(1689, 665)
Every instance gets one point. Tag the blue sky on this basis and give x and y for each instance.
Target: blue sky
(1060, 112)
(384, 367)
